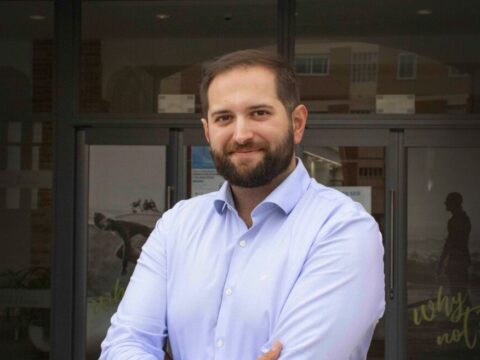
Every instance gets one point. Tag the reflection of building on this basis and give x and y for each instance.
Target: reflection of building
(346, 77)
(336, 77)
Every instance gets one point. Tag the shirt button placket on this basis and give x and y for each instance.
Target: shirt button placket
(242, 243)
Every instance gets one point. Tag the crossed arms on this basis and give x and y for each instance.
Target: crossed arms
(342, 275)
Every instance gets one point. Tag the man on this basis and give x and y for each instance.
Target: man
(455, 258)
(273, 265)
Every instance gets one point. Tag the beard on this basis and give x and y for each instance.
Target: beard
(275, 162)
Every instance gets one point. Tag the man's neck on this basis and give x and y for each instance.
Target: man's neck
(246, 199)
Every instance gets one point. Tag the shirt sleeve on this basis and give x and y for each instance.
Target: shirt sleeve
(334, 306)
(138, 329)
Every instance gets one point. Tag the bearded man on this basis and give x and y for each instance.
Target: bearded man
(271, 266)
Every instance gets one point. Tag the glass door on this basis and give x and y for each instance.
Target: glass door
(359, 163)
(123, 188)
(443, 244)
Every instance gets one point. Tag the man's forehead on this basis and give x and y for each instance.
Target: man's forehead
(244, 74)
(242, 78)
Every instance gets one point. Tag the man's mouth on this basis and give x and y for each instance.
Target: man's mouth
(244, 151)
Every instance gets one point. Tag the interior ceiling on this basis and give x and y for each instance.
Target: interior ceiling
(451, 33)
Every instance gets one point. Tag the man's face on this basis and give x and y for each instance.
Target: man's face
(250, 134)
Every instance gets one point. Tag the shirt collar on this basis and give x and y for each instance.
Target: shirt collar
(285, 196)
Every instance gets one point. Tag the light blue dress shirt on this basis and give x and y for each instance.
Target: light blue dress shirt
(309, 272)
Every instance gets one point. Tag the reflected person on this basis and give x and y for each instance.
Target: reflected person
(455, 257)
(272, 256)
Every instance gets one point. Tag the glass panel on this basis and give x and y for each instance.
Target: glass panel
(126, 198)
(424, 57)
(359, 172)
(139, 56)
(443, 265)
(26, 56)
(26, 164)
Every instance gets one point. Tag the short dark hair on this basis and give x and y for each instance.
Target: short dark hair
(454, 198)
(286, 81)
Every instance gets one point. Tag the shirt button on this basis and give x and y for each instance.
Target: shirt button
(228, 291)
(242, 243)
(219, 343)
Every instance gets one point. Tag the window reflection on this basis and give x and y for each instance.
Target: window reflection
(400, 50)
(134, 52)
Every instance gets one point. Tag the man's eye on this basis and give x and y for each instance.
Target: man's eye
(223, 118)
(260, 113)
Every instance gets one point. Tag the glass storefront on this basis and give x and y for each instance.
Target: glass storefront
(137, 74)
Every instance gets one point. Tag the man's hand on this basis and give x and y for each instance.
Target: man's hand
(274, 352)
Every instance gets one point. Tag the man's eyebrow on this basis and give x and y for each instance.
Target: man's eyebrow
(250, 108)
(220, 112)
(261, 106)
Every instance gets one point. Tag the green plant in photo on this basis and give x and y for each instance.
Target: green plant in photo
(110, 299)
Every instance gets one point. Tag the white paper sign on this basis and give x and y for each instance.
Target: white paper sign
(176, 103)
(360, 194)
(395, 104)
(205, 181)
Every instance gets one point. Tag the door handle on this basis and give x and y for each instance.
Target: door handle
(392, 244)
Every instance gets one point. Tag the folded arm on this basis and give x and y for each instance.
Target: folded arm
(333, 308)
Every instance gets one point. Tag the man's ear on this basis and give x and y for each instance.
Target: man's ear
(205, 129)
(299, 119)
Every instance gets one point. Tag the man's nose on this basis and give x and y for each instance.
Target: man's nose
(243, 131)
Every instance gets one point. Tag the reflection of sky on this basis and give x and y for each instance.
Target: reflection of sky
(432, 174)
(119, 175)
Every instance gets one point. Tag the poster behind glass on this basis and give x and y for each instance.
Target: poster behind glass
(126, 198)
(443, 263)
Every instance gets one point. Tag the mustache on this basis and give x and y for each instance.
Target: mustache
(250, 145)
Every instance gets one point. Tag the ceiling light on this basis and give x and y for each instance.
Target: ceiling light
(37, 17)
(424, 12)
(162, 16)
